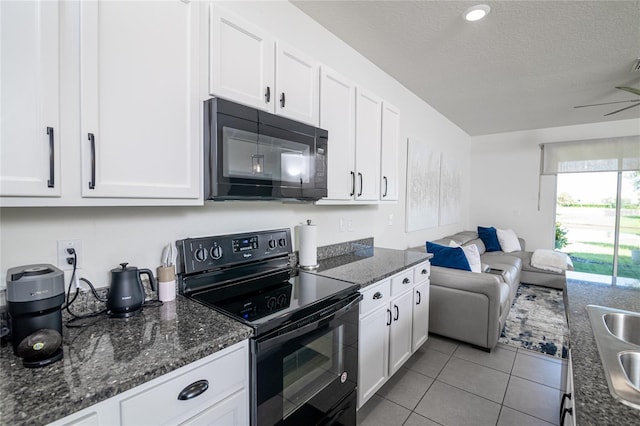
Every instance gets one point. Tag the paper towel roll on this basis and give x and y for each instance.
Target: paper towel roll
(307, 245)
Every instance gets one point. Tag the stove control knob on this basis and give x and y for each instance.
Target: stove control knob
(282, 242)
(200, 254)
(282, 301)
(272, 244)
(216, 252)
(271, 303)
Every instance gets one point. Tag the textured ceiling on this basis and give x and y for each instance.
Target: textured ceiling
(523, 67)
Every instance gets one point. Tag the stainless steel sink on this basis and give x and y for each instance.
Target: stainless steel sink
(617, 335)
(624, 326)
(631, 366)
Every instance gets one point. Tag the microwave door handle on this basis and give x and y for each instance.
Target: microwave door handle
(277, 340)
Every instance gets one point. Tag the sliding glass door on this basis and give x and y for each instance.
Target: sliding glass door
(598, 223)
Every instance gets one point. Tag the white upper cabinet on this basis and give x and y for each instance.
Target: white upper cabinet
(337, 116)
(140, 110)
(368, 129)
(389, 152)
(29, 88)
(250, 67)
(298, 85)
(241, 61)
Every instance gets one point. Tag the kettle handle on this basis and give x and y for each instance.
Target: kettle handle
(148, 273)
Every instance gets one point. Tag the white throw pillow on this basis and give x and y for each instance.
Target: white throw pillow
(472, 254)
(508, 240)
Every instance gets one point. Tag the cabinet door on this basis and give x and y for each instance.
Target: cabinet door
(298, 85)
(29, 88)
(337, 116)
(232, 411)
(368, 115)
(420, 330)
(400, 336)
(140, 112)
(389, 152)
(373, 350)
(241, 59)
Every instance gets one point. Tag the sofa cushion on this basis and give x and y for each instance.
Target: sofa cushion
(463, 237)
(508, 240)
(490, 238)
(448, 257)
(472, 255)
(478, 243)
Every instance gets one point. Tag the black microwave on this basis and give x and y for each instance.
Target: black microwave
(250, 154)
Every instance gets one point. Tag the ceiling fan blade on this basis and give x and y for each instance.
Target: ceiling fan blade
(606, 103)
(629, 89)
(625, 108)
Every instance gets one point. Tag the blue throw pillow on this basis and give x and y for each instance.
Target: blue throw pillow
(448, 257)
(489, 237)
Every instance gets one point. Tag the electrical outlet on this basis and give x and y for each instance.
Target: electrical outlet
(343, 226)
(390, 219)
(64, 256)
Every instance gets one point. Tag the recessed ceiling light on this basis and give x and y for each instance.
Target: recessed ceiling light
(476, 13)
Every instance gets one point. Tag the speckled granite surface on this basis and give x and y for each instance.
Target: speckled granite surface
(110, 357)
(594, 403)
(369, 265)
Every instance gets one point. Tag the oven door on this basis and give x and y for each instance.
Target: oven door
(306, 373)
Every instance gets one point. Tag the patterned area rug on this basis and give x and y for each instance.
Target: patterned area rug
(537, 321)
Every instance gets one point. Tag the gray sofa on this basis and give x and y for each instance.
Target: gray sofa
(473, 307)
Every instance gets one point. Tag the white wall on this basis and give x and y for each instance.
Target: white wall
(504, 178)
(111, 235)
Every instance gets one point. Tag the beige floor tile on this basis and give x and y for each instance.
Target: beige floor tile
(499, 358)
(533, 398)
(406, 388)
(476, 379)
(448, 405)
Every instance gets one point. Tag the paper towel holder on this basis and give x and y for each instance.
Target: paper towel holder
(307, 267)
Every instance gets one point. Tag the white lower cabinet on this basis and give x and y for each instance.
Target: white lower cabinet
(211, 391)
(568, 405)
(393, 325)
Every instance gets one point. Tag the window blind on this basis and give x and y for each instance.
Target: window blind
(595, 155)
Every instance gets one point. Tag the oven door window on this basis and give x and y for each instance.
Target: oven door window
(247, 155)
(310, 368)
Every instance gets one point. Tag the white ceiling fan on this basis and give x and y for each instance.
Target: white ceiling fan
(636, 102)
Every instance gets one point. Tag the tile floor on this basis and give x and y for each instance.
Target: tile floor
(450, 383)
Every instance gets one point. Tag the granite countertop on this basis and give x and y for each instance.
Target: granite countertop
(594, 403)
(369, 265)
(110, 357)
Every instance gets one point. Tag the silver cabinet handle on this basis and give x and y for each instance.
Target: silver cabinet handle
(193, 390)
(51, 182)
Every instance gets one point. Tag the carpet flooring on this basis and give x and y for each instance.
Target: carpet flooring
(537, 321)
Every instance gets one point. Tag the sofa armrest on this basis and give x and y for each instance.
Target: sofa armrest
(523, 244)
(482, 283)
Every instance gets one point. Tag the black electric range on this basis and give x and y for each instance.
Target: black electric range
(304, 349)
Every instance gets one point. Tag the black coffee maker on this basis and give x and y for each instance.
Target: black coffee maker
(35, 295)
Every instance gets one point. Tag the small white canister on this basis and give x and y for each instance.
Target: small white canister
(166, 283)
